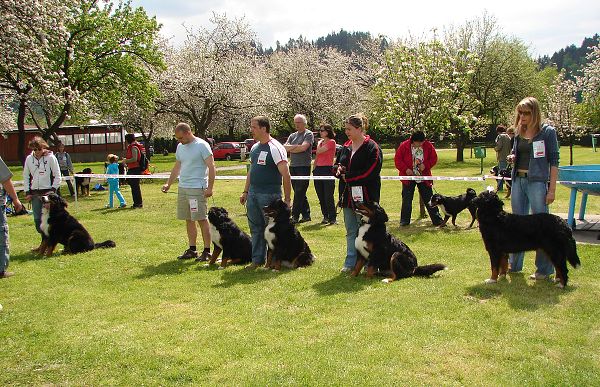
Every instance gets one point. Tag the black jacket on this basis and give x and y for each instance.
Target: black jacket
(363, 169)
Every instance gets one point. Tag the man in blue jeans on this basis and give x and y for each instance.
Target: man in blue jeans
(7, 188)
(268, 168)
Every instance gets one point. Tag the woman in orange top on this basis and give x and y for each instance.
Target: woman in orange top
(323, 167)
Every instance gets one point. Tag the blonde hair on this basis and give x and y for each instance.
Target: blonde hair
(359, 121)
(531, 104)
(112, 158)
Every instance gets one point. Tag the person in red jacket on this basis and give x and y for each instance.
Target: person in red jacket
(415, 157)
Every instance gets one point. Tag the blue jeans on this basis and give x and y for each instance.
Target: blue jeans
(257, 222)
(526, 195)
(113, 187)
(36, 208)
(4, 249)
(501, 165)
(352, 222)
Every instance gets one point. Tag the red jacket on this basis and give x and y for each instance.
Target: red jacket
(404, 161)
(129, 154)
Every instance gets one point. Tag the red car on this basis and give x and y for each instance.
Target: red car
(229, 150)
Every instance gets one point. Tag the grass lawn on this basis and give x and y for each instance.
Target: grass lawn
(134, 315)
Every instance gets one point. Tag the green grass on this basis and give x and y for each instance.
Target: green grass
(135, 315)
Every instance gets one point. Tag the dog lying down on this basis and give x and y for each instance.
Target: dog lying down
(382, 252)
(58, 226)
(505, 233)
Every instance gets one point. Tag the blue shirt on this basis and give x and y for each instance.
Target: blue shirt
(264, 174)
(192, 156)
(546, 145)
(112, 169)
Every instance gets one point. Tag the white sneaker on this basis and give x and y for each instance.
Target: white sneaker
(345, 269)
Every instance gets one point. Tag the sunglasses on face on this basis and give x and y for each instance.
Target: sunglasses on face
(525, 112)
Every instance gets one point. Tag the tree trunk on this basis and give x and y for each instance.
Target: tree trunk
(21, 130)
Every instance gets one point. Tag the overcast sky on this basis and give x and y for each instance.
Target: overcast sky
(545, 26)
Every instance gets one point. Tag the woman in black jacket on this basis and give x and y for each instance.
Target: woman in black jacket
(358, 167)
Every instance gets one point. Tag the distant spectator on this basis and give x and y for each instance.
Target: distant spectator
(416, 157)
(503, 149)
(113, 182)
(323, 167)
(132, 160)
(299, 146)
(66, 166)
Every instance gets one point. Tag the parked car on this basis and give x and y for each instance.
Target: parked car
(249, 142)
(229, 150)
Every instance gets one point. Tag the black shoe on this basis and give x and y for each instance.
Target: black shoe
(304, 220)
(205, 256)
(404, 224)
(324, 221)
(137, 206)
(188, 254)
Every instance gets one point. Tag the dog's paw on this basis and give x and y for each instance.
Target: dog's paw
(502, 277)
(275, 270)
(221, 268)
(207, 265)
(386, 280)
(490, 281)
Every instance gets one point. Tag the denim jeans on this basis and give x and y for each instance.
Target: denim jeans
(113, 187)
(501, 165)
(352, 223)
(257, 222)
(526, 195)
(300, 205)
(4, 247)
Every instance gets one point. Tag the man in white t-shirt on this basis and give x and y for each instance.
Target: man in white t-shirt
(195, 166)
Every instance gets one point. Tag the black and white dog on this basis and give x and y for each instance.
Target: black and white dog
(506, 174)
(285, 244)
(228, 238)
(382, 252)
(451, 206)
(58, 226)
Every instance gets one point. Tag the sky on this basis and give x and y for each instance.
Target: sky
(544, 26)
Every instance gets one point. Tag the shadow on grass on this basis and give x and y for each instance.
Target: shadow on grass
(342, 283)
(169, 267)
(232, 277)
(520, 294)
(29, 256)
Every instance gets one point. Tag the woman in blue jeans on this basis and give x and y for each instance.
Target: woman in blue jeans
(358, 167)
(535, 155)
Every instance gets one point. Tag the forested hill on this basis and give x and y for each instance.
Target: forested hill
(571, 58)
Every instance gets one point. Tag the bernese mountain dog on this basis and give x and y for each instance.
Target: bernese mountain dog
(58, 226)
(451, 206)
(228, 238)
(505, 233)
(285, 244)
(382, 252)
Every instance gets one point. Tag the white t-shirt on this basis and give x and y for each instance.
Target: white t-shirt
(194, 172)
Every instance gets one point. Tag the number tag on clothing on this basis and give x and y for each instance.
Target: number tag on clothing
(262, 158)
(41, 173)
(539, 149)
(357, 194)
(193, 205)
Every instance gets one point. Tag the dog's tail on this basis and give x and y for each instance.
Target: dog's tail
(105, 245)
(572, 256)
(427, 270)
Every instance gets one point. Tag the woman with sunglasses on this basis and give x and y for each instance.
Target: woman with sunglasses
(535, 155)
(41, 176)
(323, 167)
